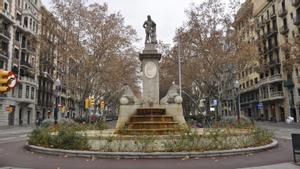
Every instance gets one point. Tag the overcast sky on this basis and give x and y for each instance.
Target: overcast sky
(168, 14)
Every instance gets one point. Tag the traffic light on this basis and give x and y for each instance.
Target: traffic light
(92, 101)
(87, 103)
(4, 81)
(102, 104)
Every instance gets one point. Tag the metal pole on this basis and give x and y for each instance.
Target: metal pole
(239, 105)
(179, 67)
(60, 91)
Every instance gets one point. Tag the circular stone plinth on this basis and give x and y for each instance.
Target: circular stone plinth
(137, 155)
(107, 144)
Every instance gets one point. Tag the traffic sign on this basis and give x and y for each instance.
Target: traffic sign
(102, 104)
(260, 106)
(12, 78)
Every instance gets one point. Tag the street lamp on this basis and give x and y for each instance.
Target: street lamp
(180, 60)
(237, 87)
(58, 100)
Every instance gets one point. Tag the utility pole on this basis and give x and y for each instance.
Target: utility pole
(179, 65)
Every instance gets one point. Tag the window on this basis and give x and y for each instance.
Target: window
(32, 93)
(20, 91)
(17, 53)
(13, 92)
(5, 6)
(1, 64)
(27, 92)
(26, 22)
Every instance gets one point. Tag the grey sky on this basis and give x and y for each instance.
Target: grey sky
(168, 14)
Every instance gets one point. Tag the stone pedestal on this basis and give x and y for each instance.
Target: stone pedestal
(150, 67)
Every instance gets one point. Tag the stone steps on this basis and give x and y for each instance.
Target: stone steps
(150, 121)
(164, 131)
(152, 125)
(152, 111)
(157, 118)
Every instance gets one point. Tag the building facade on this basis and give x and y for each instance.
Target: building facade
(20, 22)
(30, 37)
(270, 92)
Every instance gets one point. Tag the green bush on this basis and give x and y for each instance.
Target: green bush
(232, 122)
(65, 138)
(68, 139)
(47, 123)
(262, 136)
(40, 137)
(81, 119)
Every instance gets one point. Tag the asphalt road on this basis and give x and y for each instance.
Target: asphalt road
(13, 154)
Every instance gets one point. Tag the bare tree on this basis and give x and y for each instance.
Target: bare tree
(212, 53)
(99, 45)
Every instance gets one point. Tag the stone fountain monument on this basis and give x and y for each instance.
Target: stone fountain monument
(149, 115)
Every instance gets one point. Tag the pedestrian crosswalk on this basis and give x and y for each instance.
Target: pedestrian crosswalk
(13, 139)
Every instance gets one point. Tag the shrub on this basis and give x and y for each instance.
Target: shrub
(65, 121)
(40, 137)
(262, 136)
(81, 119)
(67, 138)
(47, 123)
(232, 122)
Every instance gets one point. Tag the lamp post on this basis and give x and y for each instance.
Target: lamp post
(237, 87)
(180, 60)
(58, 99)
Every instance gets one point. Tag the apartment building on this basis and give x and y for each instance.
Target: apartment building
(270, 92)
(19, 31)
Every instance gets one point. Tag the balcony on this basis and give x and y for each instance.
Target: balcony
(298, 79)
(282, 12)
(271, 79)
(272, 32)
(4, 33)
(7, 15)
(26, 79)
(295, 3)
(4, 53)
(15, 60)
(272, 14)
(288, 84)
(284, 30)
(25, 63)
(277, 95)
(297, 20)
(275, 78)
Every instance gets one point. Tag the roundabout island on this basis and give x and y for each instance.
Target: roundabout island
(149, 127)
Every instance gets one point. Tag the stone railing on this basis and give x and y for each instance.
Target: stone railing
(277, 94)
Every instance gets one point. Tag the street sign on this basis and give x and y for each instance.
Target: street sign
(260, 106)
(215, 102)
(12, 78)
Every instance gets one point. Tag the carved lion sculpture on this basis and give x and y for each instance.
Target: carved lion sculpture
(128, 96)
(172, 96)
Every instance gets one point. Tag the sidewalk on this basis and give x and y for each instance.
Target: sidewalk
(16, 130)
(281, 130)
(277, 166)
(279, 124)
